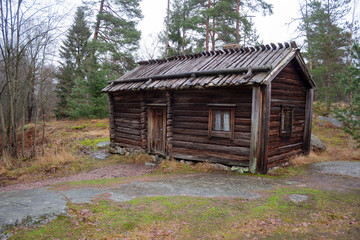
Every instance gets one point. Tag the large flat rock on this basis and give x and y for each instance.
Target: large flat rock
(347, 168)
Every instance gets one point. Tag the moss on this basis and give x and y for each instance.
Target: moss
(93, 142)
(325, 213)
(81, 127)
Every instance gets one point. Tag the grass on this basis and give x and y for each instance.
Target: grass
(52, 160)
(88, 142)
(63, 151)
(326, 214)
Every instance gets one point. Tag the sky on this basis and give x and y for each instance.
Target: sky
(271, 29)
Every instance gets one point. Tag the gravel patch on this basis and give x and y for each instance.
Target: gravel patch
(114, 171)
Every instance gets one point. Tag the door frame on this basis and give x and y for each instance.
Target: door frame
(151, 108)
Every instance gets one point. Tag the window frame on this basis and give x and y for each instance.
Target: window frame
(211, 127)
(286, 132)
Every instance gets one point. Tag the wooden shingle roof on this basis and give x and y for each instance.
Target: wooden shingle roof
(228, 67)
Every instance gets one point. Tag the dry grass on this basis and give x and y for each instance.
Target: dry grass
(205, 167)
(2, 169)
(331, 154)
(9, 162)
(51, 160)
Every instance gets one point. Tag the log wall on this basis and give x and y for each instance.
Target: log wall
(190, 126)
(287, 89)
(126, 115)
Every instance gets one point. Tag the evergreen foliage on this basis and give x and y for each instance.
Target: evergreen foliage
(189, 20)
(327, 45)
(73, 53)
(350, 115)
(116, 32)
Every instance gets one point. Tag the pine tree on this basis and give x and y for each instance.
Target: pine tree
(115, 30)
(73, 53)
(350, 115)
(196, 23)
(327, 41)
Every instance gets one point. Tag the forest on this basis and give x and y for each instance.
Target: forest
(103, 40)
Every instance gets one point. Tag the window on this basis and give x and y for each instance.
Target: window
(287, 118)
(221, 120)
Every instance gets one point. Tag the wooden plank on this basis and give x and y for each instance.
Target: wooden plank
(308, 121)
(169, 123)
(255, 128)
(264, 135)
(143, 120)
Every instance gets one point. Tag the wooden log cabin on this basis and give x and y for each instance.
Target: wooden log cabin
(249, 107)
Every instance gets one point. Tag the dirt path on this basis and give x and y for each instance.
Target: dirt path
(114, 171)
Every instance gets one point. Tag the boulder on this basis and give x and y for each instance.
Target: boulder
(221, 167)
(120, 150)
(316, 144)
(150, 164)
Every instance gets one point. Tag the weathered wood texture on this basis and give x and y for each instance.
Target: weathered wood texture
(264, 133)
(190, 125)
(111, 120)
(127, 114)
(287, 89)
(169, 123)
(255, 140)
(308, 120)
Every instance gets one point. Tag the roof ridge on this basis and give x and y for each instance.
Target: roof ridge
(231, 50)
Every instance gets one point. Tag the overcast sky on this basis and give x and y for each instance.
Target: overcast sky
(274, 28)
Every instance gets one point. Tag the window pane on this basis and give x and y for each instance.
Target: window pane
(226, 121)
(217, 120)
(286, 121)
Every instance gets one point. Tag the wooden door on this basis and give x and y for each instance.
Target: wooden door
(157, 130)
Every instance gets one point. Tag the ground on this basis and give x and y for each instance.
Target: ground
(312, 205)
(71, 195)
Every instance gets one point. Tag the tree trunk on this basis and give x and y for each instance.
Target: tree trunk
(97, 27)
(3, 130)
(213, 36)
(23, 131)
(207, 27)
(167, 28)
(33, 152)
(237, 21)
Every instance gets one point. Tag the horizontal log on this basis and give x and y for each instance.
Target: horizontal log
(125, 141)
(127, 130)
(193, 92)
(128, 136)
(217, 141)
(130, 116)
(288, 149)
(240, 151)
(229, 162)
(192, 152)
(127, 122)
(280, 158)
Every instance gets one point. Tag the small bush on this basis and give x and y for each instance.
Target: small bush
(78, 127)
